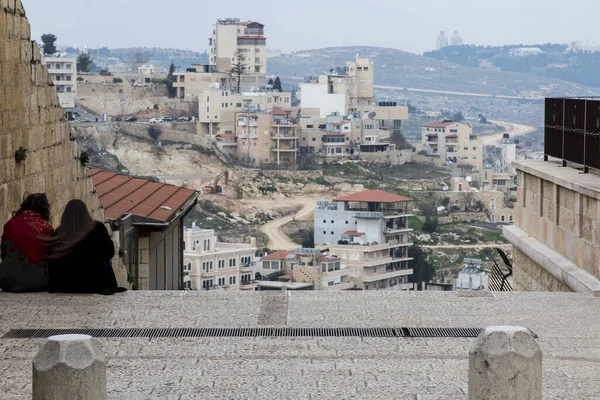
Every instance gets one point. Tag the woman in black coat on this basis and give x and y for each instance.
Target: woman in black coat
(81, 253)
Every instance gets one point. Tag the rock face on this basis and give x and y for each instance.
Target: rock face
(69, 367)
(505, 362)
(31, 118)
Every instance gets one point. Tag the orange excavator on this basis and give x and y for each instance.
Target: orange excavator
(215, 188)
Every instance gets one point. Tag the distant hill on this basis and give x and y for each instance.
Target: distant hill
(554, 61)
(402, 69)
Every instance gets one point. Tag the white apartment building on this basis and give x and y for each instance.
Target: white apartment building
(369, 232)
(472, 276)
(456, 39)
(149, 69)
(442, 41)
(455, 143)
(210, 264)
(63, 72)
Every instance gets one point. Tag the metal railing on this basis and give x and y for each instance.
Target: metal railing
(572, 131)
(498, 277)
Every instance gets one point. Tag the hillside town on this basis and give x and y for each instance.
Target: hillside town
(181, 225)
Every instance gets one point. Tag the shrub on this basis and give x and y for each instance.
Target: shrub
(154, 132)
(21, 154)
(117, 80)
(84, 158)
(430, 224)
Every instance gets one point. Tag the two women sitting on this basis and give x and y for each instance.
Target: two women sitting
(74, 258)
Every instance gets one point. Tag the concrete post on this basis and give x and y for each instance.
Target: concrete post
(505, 362)
(69, 367)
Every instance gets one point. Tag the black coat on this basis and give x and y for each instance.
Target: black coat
(87, 268)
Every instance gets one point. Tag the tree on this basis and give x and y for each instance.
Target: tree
(170, 79)
(483, 119)
(154, 132)
(457, 116)
(422, 270)
(138, 58)
(277, 85)
(49, 41)
(270, 82)
(83, 62)
(430, 224)
(445, 201)
(238, 69)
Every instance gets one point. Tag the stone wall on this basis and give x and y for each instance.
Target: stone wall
(31, 117)
(529, 277)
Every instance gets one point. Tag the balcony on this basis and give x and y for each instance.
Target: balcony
(377, 261)
(341, 286)
(284, 122)
(281, 136)
(284, 149)
(369, 215)
(253, 123)
(246, 269)
(335, 274)
(387, 275)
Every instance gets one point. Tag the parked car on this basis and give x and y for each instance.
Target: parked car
(137, 84)
(155, 120)
(131, 119)
(167, 118)
(183, 119)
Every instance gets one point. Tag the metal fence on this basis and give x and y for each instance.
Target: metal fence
(572, 131)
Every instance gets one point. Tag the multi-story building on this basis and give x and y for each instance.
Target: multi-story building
(63, 72)
(455, 143)
(442, 41)
(231, 36)
(472, 276)
(369, 232)
(210, 264)
(304, 269)
(218, 106)
(456, 39)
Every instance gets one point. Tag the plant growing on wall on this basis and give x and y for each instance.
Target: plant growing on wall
(21, 154)
(84, 158)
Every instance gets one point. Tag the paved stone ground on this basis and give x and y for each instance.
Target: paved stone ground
(305, 368)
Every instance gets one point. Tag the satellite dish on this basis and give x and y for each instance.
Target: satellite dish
(445, 188)
(305, 260)
(372, 115)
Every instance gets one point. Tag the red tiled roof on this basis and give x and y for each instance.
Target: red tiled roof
(279, 111)
(278, 255)
(120, 195)
(438, 124)
(374, 196)
(353, 233)
(432, 135)
(285, 276)
(341, 123)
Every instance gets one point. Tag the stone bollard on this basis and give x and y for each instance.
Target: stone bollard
(69, 367)
(505, 362)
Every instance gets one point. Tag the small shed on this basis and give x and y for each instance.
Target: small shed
(149, 219)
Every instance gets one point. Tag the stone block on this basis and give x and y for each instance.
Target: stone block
(69, 367)
(505, 363)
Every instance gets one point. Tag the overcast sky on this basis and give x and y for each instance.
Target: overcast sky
(308, 24)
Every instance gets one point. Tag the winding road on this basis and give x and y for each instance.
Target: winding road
(277, 239)
(513, 130)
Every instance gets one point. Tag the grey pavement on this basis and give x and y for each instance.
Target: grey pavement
(308, 367)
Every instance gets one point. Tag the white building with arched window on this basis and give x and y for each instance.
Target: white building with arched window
(210, 264)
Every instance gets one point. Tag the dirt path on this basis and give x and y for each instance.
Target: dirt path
(467, 246)
(277, 239)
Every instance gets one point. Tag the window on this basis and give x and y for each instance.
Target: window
(68, 66)
(314, 139)
(304, 139)
(68, 77)
(221, 281)
(332, 221)
(324, 221)
(366, 68)
(231, 280)
(324, 232)
(465, 148)
(332, 232)
(346, 222)
(502, 218)
(69, 89)
(309, 126)
(510, 218)
(257, 50)
(474, 148)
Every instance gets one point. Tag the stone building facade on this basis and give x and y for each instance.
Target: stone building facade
(556, 235)
(31, 118)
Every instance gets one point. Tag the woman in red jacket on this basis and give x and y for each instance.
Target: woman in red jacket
(23, 247)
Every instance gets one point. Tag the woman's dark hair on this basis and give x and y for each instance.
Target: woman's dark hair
(76, 224)
(38, 203)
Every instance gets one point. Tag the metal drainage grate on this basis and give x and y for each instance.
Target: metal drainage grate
(245, 332)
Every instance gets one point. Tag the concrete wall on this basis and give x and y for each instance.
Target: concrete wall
(31, 117)
(529, 277)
